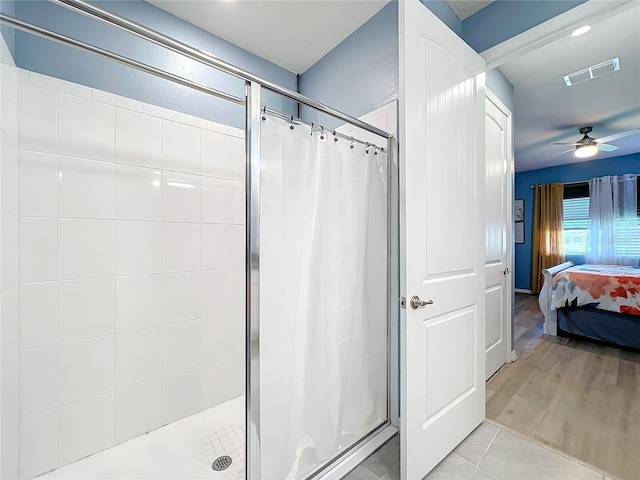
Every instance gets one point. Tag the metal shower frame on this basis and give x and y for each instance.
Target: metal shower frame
(252, 102)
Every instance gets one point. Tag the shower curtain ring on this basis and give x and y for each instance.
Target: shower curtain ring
(312, 129)
(264, 113)
(351, 146)
(291, 122)
(368, 146)
(335, 137)
(321, 132)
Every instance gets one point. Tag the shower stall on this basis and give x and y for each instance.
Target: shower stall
(186, 299)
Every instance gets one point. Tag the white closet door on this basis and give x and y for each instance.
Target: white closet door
(499, 202)
(442, 195)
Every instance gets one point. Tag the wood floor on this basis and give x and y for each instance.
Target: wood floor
(575, 396)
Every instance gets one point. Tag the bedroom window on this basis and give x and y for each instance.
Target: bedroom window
(575, 218)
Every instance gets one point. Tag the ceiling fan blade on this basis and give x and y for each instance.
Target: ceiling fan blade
(565, 143)
(559, 153)
(603, 147)
(617, 136)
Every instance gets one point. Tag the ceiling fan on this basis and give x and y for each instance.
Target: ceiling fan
(588, 147)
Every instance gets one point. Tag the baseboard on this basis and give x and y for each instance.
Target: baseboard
(522, 290)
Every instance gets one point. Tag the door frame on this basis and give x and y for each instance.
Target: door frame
(493, 98)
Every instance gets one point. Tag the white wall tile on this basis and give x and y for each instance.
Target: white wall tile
(218, 246)
(222, 380)
(9, 328)
(232, 131)
(85, 427)
(38, 443)
(116, 100)
(220, 338)
(138, 248)
(181, 247)
(86, 309)
(218, 158)
(86, 188)
(9, 251)
(9, 99)
(240, 158)
(181, 197)
(181, 147)
(239, 289)
(38, 249)
(181, 395)
(217, 292)
(85, 128)
(38, 184)
(59, 85)
(181, 344)
(37, 122)
(138, 139)
(217, 200)
(239, 246)
(138, 193)
(201, 123)
(38, 314)
(86, 249)
(10, 427)
(162, 112)
(138, 409)
(8, 175)
(181, 296)
(86, 368)
(239, 203)
(38, 379)
(138, 356)
(138, 302)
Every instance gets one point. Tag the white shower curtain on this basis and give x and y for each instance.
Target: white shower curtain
(323, 285)
(612, 236)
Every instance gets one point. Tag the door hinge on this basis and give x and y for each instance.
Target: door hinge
(403, 302)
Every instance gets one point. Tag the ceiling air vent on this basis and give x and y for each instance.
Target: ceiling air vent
(594, 71)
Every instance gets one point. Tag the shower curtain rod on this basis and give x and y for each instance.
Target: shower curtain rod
(208, 59)
(56, 37)
(62, 39)
(579, 181)
(295, 120)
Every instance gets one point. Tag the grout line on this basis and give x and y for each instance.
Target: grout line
(474, 466)
(553, 450)
(488, 447)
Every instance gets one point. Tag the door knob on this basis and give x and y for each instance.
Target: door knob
(417, 303)
(507, 271)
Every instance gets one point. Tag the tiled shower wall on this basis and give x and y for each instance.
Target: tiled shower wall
(131, 268)
(9, 289)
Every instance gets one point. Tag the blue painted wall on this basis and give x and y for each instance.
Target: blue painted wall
(360, 74)
(501, 87)
(8, 7)
(566, 173)
(63, 62)
(504, 19)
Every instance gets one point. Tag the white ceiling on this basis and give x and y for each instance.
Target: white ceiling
(466, 8)
(548, 111)
(291, 34)
(297, 33)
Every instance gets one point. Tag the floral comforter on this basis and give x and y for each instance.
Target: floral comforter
(607, 287)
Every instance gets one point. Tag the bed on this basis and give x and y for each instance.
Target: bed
(600, 302)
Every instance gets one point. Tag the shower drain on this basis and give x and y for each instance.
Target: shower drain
(221, 463)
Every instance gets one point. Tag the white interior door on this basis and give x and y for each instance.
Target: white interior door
(499, 201)
(442, 239)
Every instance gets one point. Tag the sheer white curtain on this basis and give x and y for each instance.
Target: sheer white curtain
(613, 233)
(323, 281)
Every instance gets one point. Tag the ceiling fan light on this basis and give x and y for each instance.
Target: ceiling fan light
(586, 151)
(581, 31)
